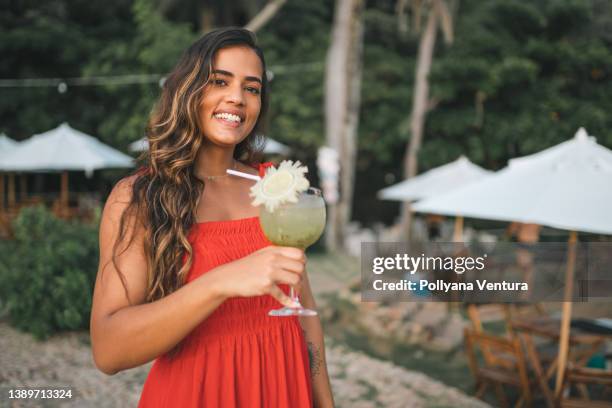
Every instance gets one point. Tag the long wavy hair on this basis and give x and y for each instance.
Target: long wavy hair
(165, 191)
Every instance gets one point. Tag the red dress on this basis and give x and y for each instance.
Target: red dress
(238, 356)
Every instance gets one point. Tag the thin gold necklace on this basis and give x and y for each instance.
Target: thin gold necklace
(220, 175)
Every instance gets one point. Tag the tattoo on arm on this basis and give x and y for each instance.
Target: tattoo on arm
(314, 355)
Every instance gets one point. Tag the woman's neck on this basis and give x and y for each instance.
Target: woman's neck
(213, 161)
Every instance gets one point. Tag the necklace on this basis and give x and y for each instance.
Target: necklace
(220, 175)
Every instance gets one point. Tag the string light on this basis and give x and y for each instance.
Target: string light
(62, 84)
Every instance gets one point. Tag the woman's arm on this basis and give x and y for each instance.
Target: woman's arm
(322, 392)
(125, 335)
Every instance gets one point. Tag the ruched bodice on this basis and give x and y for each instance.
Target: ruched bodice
(238, 356)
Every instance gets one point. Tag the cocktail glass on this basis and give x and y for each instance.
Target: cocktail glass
(297, 225)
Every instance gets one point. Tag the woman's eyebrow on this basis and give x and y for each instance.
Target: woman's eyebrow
(229, 74)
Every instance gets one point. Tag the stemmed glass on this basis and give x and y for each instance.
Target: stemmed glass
(297, 225)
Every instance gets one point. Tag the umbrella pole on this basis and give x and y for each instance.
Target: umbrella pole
(23, 187)
(458, 237)
(567, 314)
(64, 193)
(458, 231)
(11, 191)
(1, 193)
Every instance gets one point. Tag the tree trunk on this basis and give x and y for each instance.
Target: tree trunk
(207, 18)
(349, 148)
(419, 108)
(342, 101)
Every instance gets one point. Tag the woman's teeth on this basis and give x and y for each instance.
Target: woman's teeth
(228, 116)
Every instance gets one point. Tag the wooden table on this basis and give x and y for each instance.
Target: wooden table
(548, 328)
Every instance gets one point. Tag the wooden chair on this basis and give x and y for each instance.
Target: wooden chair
(580, 379)
(503, 363)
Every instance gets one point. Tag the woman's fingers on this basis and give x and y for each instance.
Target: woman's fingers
(279, 295)
(286, 277)
(293, 253)
(291, 265)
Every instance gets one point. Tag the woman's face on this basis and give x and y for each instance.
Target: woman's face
(232, 98)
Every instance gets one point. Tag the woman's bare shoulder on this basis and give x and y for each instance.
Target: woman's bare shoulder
(122, 191)
(120, 197)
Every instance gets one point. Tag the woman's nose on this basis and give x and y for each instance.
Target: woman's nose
(235, 95)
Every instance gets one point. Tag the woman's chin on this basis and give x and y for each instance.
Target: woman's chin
(225, 140)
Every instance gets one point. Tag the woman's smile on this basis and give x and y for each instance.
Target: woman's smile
(229, 117)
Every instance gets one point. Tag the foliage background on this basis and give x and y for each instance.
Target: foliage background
(47, 273)
(541, 69)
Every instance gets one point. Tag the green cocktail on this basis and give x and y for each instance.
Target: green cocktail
(297, 225)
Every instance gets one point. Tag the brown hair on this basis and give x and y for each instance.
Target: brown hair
(165, 191)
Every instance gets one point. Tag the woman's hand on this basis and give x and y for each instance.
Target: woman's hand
(261, 272)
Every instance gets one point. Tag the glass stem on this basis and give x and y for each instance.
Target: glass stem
(293, 295)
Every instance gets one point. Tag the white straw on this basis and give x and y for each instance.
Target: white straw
(245, 175)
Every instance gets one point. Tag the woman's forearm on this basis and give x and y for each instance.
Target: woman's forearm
(135, 335)
(313, 333)
(318, 365)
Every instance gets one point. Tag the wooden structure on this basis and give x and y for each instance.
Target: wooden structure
(537, 336)
(580, 378)
(503, 364)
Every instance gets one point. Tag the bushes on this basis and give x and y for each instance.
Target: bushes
(47, 273)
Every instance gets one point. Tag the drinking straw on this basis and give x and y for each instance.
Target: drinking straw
(245, 175)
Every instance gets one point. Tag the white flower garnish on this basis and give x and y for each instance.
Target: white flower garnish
(280, 185)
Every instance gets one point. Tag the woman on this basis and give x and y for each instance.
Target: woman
(186, 275)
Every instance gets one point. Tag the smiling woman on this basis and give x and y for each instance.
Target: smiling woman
(186, 276)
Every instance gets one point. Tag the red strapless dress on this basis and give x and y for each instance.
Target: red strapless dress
(239, 356)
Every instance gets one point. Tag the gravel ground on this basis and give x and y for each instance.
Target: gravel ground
(358, 381)
(65, 360)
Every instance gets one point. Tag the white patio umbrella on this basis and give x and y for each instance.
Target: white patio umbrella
(139, 145)
(567, 186)
(272, 146)
(439, 180)
(7, 144)
(442, 179)
(63, 149)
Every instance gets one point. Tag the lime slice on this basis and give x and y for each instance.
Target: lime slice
(278, 184)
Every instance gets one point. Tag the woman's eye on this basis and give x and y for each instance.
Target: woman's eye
(219, 82)
(252, 90)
